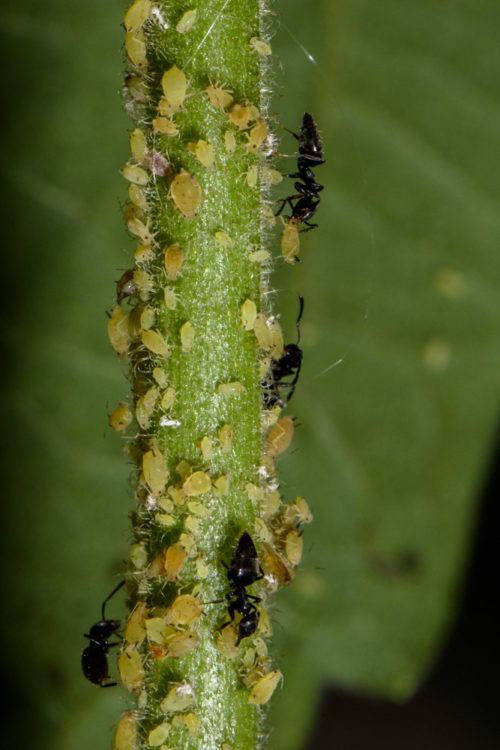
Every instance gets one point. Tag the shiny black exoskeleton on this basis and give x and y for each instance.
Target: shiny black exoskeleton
(288, 364)
(310, 156)
(242, 572)
(94, 658)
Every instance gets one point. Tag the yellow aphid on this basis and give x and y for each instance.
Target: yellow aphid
(218, 97)
(137, 88)
(252, 175)
(280, 436)
(275, 566)
(221, 485)
(258, 256)
(120, 419)
(141, 230)
(147, 318)
(257, 136)
(135, 174)
(265, 687)
(160, 377)
(303, 510)
(192, 723)
(159, 734)
(184, 469)
(174, 560)
(231, 389)
(254, 492)
(170, 298)
(293, 547)
(188, 543)
(118, 330)
(227, 642)
(197, 484)
(156, 566)
(165, 126)
(155, 470)
(135, 45)
(261, 531)
(184, 610)
(267, 214)
(270, 503)
(270, 176)
(240, 115)
(225, 438)
(154, 341)
(187, 21)
(262, 332)
(185, 191)
(138, 145)
(248, 658)
(145, 405)
(187, 336)
(126, 732)
(223, 239)
(290, 244)
(144, 254)
(230, 142)
(168, 398)
(265, 628)
(253, 111)
(139, 556)
(202, 569)
(226, 746)
(198, 509)
(157, 629)
(203, 152)
(183, 643)
(173, 258)
(135, 630)
(130, 667)
(261, 47)
(174, 85)
(193, 525)
(177, 699)
(137, 197)
(137, 14)
(248, 313)
(260, 648)
(206, 447)
(131, 212)
(166, 503)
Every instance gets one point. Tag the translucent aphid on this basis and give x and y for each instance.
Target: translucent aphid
(187, 21)
(231, 389)
(263, 689)
(260, 46)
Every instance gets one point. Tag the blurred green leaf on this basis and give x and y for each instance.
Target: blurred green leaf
(398, 396)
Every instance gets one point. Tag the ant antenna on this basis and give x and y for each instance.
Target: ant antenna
(301, 310)
(117, 588)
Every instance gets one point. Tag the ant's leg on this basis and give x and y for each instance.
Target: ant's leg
(309, 227)
(108, 684)
(284, 201)
(117, 588)
(254, 598)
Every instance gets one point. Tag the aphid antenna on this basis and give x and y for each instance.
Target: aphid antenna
(117, 588)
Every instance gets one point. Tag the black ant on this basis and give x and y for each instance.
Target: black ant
(289, 363)
(242, 572)
(94, 658)
(310, 156)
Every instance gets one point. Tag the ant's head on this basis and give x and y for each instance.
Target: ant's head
(104, 629)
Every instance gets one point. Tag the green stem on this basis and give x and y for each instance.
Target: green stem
(198, 356)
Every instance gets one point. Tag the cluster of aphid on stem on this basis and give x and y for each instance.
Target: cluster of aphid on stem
(163, 626)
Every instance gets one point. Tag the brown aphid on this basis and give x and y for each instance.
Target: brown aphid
(120, 419)
(125, 286)
(174, 560)
(158, 164)
(185, 192)
(280, 436)
(274, 566)
(263, 689)
(173, 259)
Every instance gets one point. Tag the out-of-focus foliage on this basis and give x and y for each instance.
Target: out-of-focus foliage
(398, 395)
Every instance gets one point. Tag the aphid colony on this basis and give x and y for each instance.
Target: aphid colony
(174, 504)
